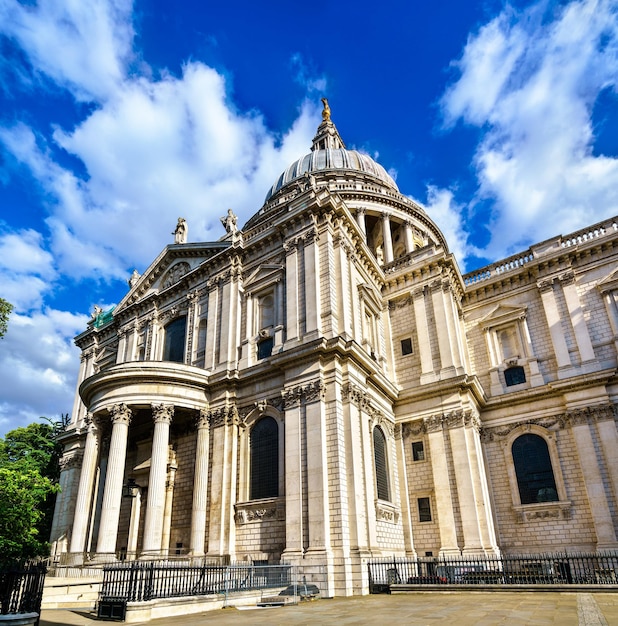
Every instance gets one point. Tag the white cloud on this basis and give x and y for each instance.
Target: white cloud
(153, 152)
(446, 213)
(532, 83)
(82, 46)
(38, 366)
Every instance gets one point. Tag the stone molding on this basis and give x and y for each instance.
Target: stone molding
(363, 401)
(387, 512)
(260, 511)
(174, 274)
(72, 460)
(447, 421)
(261, 406)
(575, 417)
(162, 413)
(225, 416)
(305, 394)
(120, 413)
(542, 511)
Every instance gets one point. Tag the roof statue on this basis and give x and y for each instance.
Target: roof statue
(230, 222)
(180, 234)
(325, 110)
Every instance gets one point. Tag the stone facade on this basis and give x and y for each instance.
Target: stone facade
(324, 386)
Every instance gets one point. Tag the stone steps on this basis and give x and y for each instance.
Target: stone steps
(70, 593)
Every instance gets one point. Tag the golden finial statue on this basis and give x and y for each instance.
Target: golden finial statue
(325, 110)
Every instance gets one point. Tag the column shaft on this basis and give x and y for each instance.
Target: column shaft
(112, 494)
(555, 325)
(200, 487)
(155, 502)
(444, 497)
(599, 508)
(387, 238)
(85, 489)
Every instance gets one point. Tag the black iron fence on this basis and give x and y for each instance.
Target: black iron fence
(547, 569)
(148, 580)
(21, 588)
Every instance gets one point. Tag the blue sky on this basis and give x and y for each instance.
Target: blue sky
(117, 117)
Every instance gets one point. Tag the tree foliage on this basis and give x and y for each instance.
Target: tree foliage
(5, 311)
(29, 473)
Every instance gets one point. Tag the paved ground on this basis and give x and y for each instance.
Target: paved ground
(428, 608)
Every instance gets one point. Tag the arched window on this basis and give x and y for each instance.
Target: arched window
(174, 345)
(379, 453)
(264, 451)
(535, 476)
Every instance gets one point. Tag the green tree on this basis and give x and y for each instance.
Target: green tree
(5, 311)
(23, 494)
(29, 473)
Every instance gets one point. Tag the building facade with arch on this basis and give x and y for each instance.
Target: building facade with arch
(324, 386)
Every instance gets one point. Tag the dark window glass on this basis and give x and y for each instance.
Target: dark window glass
(424, 510)
(265, 347)
(406, 346)
(535, 477)
(264, 450)
(174, 346)
(418, 451)
(379, 451)
(514, 376)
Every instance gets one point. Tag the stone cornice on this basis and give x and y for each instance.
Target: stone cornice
(313, 391)
(559, 421)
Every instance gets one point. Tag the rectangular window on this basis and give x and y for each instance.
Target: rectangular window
(265, 348)
(418, 451)
(424, 510)
(406, 346)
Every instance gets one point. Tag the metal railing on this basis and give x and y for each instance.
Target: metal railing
(21, 588)
(544, 569)
(149, 580)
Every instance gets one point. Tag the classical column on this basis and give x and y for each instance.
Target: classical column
(313, 308)
(122, 345)
(556, 332)
(213, 323)
(599, 508)
(155, 503)
(291, 290)
(445, 338)
(230, 320)
(404, 491)
(294, 527)
(608, 438)
(360, 218)
(224, 424)
(136, 506)
(408, 236)
(200, 486)
(317, 470)
(481, 489)
(112, 494)
(167, 509)
(582, 337)
(422, 332)
(344, 312)
(85, 489)
(442, 486)
(465, 488)
(387, 238)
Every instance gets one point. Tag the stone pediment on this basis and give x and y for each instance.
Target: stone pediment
(609, 283)
(502, 314)
(265, 274)
(174, 262)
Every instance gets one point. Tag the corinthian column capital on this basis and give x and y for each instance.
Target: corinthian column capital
(162, 413)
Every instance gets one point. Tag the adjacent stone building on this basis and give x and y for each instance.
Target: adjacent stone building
(324, 386)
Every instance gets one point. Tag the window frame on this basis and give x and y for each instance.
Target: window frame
(381, 481)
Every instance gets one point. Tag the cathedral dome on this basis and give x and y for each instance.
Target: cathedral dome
(329, 153)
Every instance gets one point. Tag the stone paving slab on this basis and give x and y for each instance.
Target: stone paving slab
(426, 609)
